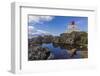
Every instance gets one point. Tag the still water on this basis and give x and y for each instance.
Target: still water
(60, 53)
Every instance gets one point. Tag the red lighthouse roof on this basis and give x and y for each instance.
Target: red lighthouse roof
(73, 23)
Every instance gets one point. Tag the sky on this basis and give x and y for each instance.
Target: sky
(54, 25)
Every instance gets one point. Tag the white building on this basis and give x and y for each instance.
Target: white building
(72, 27)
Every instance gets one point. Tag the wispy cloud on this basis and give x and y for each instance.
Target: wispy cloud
(39, 19)
(32, 31)
(35, 20)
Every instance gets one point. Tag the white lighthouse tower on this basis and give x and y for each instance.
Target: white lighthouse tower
(72, 27)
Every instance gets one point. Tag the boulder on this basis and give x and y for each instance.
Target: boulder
(39, 53)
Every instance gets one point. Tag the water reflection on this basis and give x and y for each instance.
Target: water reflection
(55, 51)
(60, 51)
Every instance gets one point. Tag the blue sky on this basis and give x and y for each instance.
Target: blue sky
(55, 25)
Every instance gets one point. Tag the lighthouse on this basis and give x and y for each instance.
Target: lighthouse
(72, 27)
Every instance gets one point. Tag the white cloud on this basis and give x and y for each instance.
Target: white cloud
(35, 32)
(43, 32)
(31, 29)
(39, 19)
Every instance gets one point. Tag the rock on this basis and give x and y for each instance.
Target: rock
(71, 41)
(56, 39)
(39, 53)
(47, 39)
(84, 54)
(78, 39)
(72, 52)
(51, 56)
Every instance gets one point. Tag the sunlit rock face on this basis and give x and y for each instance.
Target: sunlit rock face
(74, 38)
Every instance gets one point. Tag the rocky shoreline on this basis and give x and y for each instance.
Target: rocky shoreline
(71, 41)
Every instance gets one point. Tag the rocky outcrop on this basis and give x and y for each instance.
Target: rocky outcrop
(71, 41)
(84, 54)
(47, 39)
(39, 53)
(75, 39)
(56, 39)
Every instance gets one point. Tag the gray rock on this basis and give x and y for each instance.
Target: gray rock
(39, 53)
